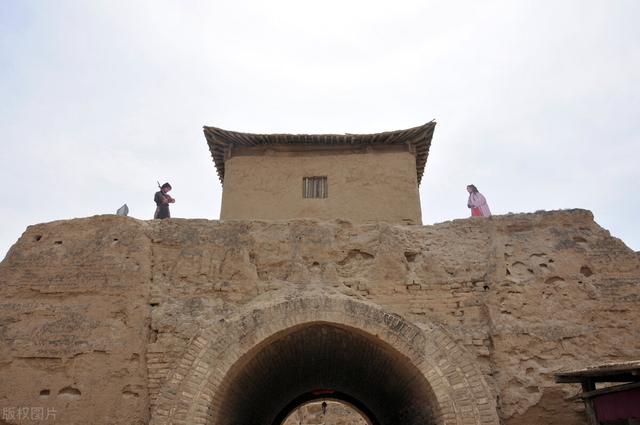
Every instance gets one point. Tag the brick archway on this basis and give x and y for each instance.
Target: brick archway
(194, 394)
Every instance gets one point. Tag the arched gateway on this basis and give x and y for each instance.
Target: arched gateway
(254, 369)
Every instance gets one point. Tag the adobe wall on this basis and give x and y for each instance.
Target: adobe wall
(118, 321)
(375, 184)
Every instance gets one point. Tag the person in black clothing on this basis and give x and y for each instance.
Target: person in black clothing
(162, 200)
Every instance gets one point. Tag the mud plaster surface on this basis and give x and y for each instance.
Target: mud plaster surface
(95, 312)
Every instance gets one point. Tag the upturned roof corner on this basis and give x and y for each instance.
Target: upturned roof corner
(418, 137)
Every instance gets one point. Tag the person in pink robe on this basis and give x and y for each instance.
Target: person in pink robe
(477, 203)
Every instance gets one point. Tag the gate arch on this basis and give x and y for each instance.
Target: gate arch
(309, 398)
(198, 390)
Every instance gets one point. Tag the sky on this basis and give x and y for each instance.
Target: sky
(537, 103)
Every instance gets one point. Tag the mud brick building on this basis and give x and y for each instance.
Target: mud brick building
(318, 282)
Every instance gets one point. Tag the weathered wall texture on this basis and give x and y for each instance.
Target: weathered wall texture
(74, 316)
(364, 185)
(99, 316)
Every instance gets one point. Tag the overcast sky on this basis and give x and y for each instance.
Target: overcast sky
(537, 102)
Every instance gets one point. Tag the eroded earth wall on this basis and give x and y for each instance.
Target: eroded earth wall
(74, 324)
(95, 312)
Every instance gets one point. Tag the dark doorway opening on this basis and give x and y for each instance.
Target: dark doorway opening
(358, 368)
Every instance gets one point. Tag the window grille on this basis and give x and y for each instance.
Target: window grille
(314, 187)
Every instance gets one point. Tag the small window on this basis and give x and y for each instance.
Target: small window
(314, 187)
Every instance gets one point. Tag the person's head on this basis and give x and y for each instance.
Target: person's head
(165, 187)
(472, 189)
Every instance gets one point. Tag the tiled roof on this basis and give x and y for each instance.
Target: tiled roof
(419, 137)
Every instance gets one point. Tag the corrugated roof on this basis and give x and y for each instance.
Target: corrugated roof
(609, 372)
(419, 137)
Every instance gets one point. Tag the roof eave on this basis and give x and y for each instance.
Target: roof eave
(419, 137)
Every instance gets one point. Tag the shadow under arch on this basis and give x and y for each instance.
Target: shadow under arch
(205, 378)
(360, 367)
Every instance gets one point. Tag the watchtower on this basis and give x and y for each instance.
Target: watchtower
(357, 177)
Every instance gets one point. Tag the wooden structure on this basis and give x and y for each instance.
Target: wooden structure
(618, 403)
(221, 142)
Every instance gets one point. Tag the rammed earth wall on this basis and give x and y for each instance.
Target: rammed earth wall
(112, 320)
